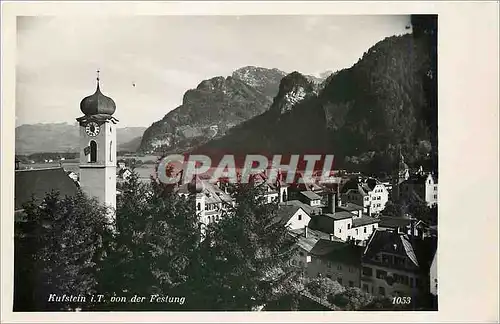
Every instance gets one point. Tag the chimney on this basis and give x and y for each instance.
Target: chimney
(332, 237)
(331, 204)
(305, 231)
(337, 196)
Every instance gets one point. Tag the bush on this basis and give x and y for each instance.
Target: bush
(324, 287)
(351, 299)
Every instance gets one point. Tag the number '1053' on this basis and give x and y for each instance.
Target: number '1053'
(401, 300)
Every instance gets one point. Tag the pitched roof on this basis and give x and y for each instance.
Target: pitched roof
(40, 182)
(308, 209)
(310, 195)
(349, 207)
(393, 222)
(313, 236)
(323, 247)
(286, 212)
(364, 220)
(420, 178)
(420, 252)
(346, 253)
(338, 215)
(393, 242)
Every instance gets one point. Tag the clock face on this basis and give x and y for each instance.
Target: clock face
(92, 129)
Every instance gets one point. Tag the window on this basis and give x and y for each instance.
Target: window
(111, 151)
(411, 282)
(435, 197)
(398, 261)
(329, 276)
(356, 231)
(373, 227)
(301, 253)
(367, 271)
(198, 207)
(386, 258)
(381, 291)
(364, 229)
(329, 264)
(365, 287)
(381, 274)
(93, 152)
(339, 280)
(348, 226)
(351, 284)
(351, 269)
(340, 230)
(339, 267)
(300, 217)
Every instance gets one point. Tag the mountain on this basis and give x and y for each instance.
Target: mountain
(213, 108)
(62, 137)
(361, 114)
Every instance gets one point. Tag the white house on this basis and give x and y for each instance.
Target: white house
(369, 193)
(425, 186)
(293, 216)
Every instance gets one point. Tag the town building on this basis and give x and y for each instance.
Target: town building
(422, 186)
(123, 174)
(404, 225)
(395, 264)
(212, 203)
(344, 220)
(367, 192)
(37, 183)
(337, 261)
(325, 255)
(433, 288)
(401, 172)
(293, 216)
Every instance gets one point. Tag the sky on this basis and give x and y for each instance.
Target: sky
(164, 56)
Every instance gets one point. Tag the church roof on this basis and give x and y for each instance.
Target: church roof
(40, 182)
(97, 104)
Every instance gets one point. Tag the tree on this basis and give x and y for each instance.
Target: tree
(59, 245)
(324, 287)
(392, 209)
(351, 299)
(157, 239)
(243, 261)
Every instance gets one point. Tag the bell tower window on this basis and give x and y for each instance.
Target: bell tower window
(111, 151)
(93, 152)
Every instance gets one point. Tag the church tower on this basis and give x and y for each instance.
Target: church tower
(400, 174)
(98, 147)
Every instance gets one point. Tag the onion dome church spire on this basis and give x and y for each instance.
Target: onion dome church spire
(97, 103)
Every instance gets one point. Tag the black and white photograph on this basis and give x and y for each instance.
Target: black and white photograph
(227, 163)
